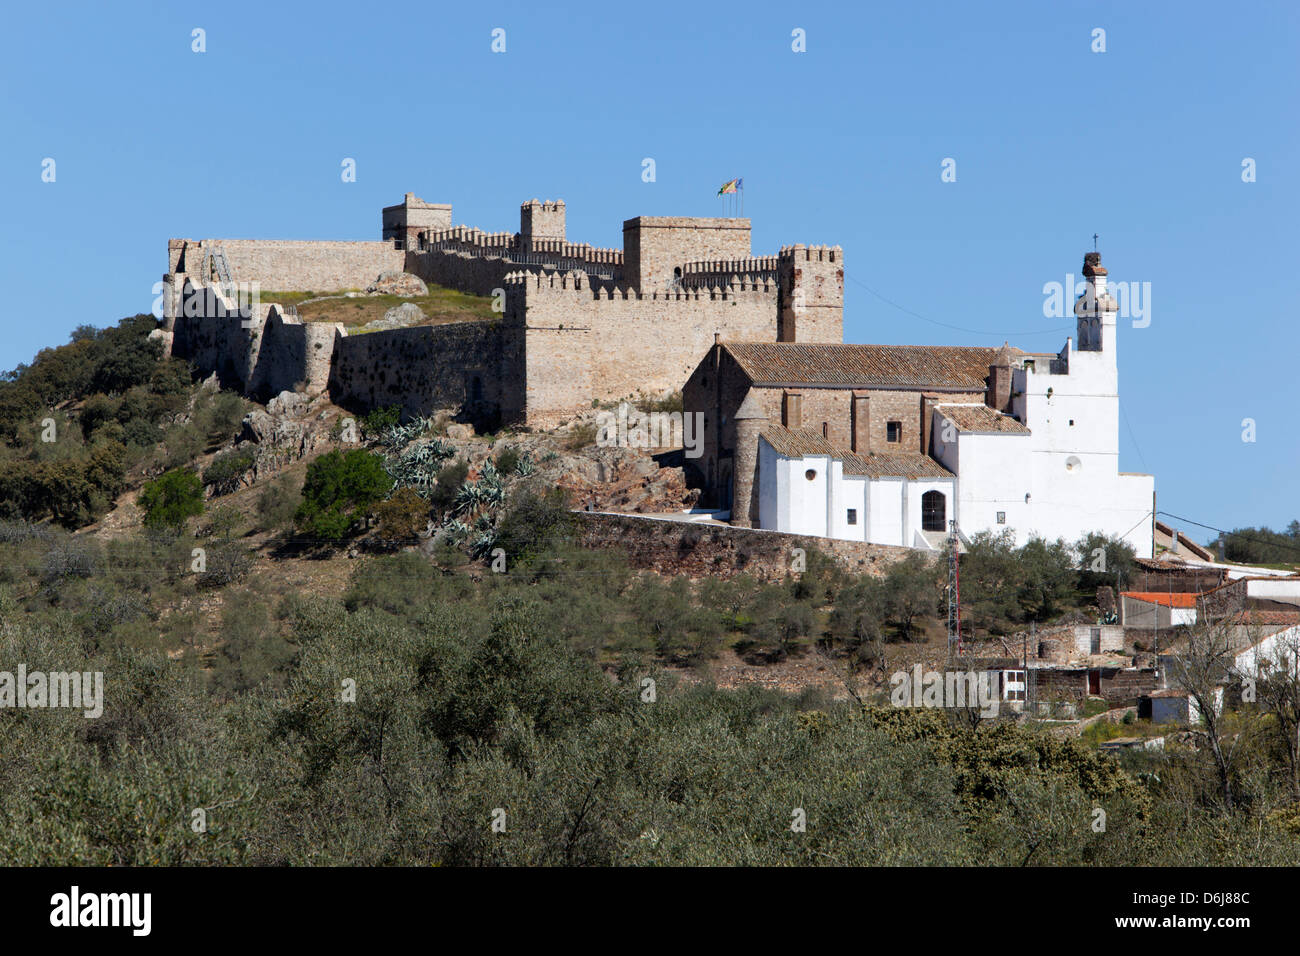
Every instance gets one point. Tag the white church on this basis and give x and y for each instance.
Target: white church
(912, 438)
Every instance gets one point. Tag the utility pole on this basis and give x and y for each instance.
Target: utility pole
(954, 596)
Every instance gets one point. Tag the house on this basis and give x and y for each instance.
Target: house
(1175, 543)
(891, 444)
(1151, 609)
(1168, 707)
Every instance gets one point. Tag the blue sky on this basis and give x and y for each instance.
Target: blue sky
(841, 144)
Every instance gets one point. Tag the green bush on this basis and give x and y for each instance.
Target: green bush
(340, 488)
(376, 420)
(171, 498)
(448, 482)
(507, 460)
(227, 469)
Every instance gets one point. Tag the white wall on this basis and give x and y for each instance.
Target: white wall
(887, 503)
(1286, 590)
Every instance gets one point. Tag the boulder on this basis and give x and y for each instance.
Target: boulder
(288, 405)
(459, 431)
(398, 283)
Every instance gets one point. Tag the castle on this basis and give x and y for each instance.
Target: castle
(801, 432)
(577, 324)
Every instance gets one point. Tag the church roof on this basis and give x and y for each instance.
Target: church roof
(901, 464)
(981, 418)
(774, 364)
(797, 442)
(801, 442)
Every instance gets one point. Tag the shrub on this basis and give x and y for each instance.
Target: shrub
(341, 487)
(507, 460)
(403, 516)
(170, 499)
(277, 504)
(374, 422)
(534, 523)
(226, 563)
(580, 436)
(228, 469)
(448, 482)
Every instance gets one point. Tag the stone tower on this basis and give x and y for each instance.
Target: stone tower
(750, 419)
(812, 294)
(540, 221)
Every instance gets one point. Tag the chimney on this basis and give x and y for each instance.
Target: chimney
(793, 410)
(998, 394)
(861, 441)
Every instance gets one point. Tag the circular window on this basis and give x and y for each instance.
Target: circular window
(810, 474)
(1073, 464)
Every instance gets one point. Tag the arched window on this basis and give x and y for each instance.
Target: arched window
(934, 511)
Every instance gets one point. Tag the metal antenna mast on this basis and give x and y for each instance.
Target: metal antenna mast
(954, 595)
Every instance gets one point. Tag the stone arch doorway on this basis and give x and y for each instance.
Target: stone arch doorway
(934, 511)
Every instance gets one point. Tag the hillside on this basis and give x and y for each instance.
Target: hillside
(231, 567)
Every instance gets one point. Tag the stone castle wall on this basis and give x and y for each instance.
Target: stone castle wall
(262, 353)
(583, 342)
(426, 368)
(712, 550)
(290, 265)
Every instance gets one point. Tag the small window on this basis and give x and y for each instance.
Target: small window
(1071, 422)
(1013, 685)
(1029, 365)
(853, 516)
(1002, 517)
(894, 431)
(810, 474)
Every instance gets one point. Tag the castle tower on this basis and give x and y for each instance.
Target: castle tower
(811, 294)
(750, 419)
(1095, 309)
(541, 221)
(413, 219)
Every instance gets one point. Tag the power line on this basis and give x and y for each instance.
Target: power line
(957, 328)
(1235, 534)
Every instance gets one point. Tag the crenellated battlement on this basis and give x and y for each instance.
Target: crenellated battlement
(812, 253)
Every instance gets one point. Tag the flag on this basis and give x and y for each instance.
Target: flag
(731, 186)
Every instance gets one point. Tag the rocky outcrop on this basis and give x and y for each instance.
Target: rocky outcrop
(398, 283)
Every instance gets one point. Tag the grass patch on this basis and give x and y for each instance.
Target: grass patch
(440, 306)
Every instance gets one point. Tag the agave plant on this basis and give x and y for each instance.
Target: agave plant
(456, 530)
(469, 497)
(525, 466)
(483, 544)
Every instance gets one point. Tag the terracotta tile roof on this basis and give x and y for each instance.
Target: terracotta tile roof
(903, 464)
(860, 366)
(1163, 598)
(798, 442)
(981, 418)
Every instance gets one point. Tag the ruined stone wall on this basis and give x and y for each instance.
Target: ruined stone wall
(285, 265)
(262, 353)
(699, 550)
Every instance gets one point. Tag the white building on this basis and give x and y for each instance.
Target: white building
(1040, 456)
